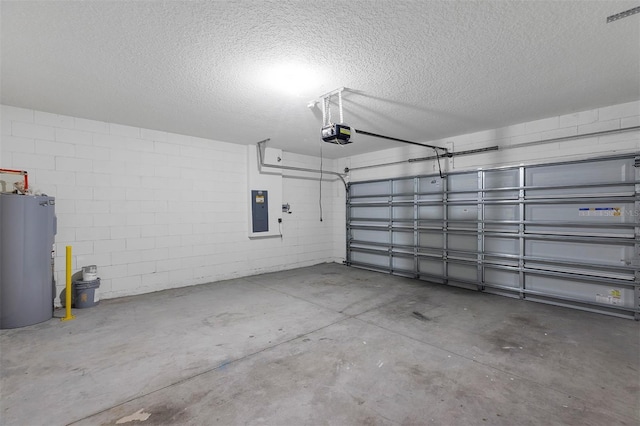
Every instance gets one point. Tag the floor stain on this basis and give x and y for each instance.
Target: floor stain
(504, 342)
(138, 416)
(419, 316)
(222, 319)
(357, 399)
(431, 381)
(528, 322)
(161, 414)
(519, 335)
(166, 415)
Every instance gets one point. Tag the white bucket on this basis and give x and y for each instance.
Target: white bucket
(89, 273)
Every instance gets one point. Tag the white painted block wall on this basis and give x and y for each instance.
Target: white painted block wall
(518, 144)
(269, 180)
(156, 210)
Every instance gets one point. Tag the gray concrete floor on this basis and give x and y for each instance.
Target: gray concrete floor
(322, 345)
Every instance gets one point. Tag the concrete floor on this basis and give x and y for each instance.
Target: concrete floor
(322, 345)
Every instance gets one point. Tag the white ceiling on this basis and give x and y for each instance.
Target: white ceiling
(416, 70)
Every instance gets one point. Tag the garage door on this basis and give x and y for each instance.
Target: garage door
(564, 233)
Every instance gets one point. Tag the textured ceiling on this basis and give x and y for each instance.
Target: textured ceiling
(415, 70)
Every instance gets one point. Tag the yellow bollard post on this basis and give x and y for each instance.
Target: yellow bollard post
(67, 303)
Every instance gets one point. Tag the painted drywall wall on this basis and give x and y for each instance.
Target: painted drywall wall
(156, 210)
(518, 144)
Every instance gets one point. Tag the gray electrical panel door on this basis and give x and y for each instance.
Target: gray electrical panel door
(27, 229)
(260, 211)
(563, 233)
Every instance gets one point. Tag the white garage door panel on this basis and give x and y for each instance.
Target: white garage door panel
(370, 212)
(401, 264)
(405, 212)
(374, 188)
(430, 184)
(463, 272)
(463, 243)
(565, 233)
(371, 236)
(463, 182)
(502, 179)
(431, 239)
(403, 238)
(505, 278)
(533, 194)
(380, 260)
(613, 295)
(497, 181)
(584, 212)
(501, 245)
(501, 212)
(467, 212)
(599, 254)
(431, 212)
(431, 267)
(579, 173)
(403, 186)
(585, 270)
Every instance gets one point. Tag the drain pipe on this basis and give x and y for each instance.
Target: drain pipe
(260, 145)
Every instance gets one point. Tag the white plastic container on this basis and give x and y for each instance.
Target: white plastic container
(89, 273)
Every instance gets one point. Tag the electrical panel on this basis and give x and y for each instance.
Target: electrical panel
(260, 211)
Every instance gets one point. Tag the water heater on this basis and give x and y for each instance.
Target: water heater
(27, 288)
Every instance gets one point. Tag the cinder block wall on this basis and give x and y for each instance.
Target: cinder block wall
(156, 210)
(518, 144)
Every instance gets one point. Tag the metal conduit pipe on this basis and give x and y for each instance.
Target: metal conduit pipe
(570, 138)
(495, 148)
(262, 143)
(432, 157)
